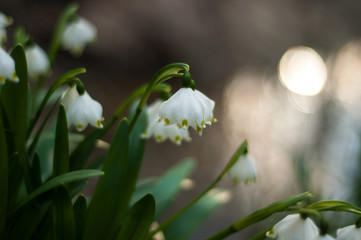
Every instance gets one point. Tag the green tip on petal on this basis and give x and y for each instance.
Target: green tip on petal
(185, 123)
(166, 121)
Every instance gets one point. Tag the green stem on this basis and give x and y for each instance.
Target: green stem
(165, 73)
(260, 215)
(240, 151)
(66, 78)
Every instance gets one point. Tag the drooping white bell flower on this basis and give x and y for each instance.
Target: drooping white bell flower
(294, 227)
(161, 132)
(77, 34)
(37, 60)
(324, 237)
(349, 233)
(187, 108)
(69, 97)
(83, 111)
(7, 67)
(243, 170)
(5, 20)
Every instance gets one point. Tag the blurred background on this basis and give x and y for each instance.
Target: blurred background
(301, 115)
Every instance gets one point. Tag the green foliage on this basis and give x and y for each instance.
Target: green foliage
(61, 147)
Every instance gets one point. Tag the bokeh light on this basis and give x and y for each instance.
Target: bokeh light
(302, 71)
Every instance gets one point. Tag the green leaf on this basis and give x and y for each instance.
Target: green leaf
(142, 187)
(109, 200)
(65, 16)
(63, 215)
(168, 71)
(61, 147)
(62, 179)
(168, 185)
(139, 219)
(80, 211)
(3, 176)
(20, 36)
(260, 215)
(335, 205)
(36, 171)
(26, 225)
(189, 220)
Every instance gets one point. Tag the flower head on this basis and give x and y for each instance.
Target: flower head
(82, 110)
(69, 97)
(5, 20)
(77, 34)
(323, 237)
(160, 131)
(7, 67)
(38, 61)
(188, 108)
(349, 233)
(294, 227)
(243, 170)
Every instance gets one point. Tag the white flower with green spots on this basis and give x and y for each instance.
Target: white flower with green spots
(294, 227)
(243, 170)
(324, 237)
(7, 68)
(37, 60)
(186, 108)
(82, 110)
(77, 34)
(161, 132)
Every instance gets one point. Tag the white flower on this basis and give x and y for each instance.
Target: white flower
(188, 108)
(160, 131)
(349, 233)
(69, 97)
(243, 170)
(323, 237)
(293, 227)
(37, 60)
(5, 20)
(83, 111)
(77, 34)
(7, 67)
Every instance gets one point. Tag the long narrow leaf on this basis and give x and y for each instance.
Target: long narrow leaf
(139, 219)
(80, 212)
(3, 176)
(61, 147)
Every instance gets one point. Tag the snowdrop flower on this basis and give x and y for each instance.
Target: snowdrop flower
(7, 67)
(349, 233)
(82, 111)
(160, 131)
(294, 227)
(243, 170)
(323, 237)
(77, 34)
(5, 20)
(69, 97)
(188, 108)
(37, 60)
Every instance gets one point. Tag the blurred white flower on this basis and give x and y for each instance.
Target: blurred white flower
(5, 20)
(161, 132)
(77, 34)
(83, 111)
(349, 233)
(37, 60)
(69, 97)
(7, 67)
(188, 108)
(243, 170)
(324, 237)
(293, 227)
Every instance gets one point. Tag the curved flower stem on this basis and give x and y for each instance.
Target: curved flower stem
(260, 215)
(242, 150)
(165, 73)
(66, 78)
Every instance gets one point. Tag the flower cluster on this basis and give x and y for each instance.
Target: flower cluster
(82, 110)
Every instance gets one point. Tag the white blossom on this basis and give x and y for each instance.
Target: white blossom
(324, 237)
(37, 60)
(294, 227)
(161, 132)
(77, 34)
(349, 233)
(5, 20)
(7, 67)
(243, 170)
(188, 108)
(83, 111)
(69, 97)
